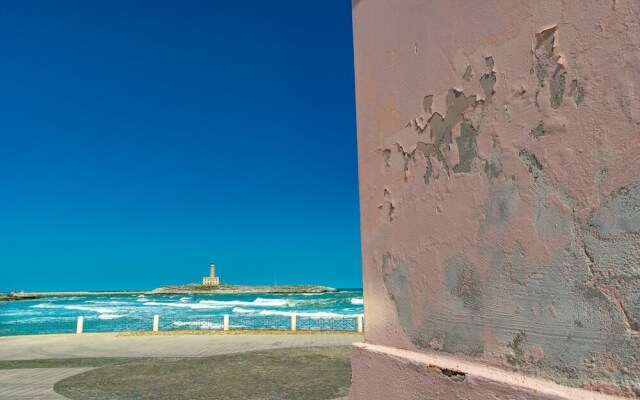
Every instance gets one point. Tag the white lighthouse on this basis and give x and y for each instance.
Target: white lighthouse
(211, 280)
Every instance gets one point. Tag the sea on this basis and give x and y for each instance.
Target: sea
(127, 312)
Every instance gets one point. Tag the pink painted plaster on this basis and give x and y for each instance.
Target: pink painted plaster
(381, 372)
(499, 158)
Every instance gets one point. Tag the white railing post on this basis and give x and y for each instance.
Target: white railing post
(294, 322)
(225, 322)
(80, 326)
(360, 323)
(156, 323)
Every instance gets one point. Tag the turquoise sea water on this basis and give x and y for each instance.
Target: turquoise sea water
(58, 314)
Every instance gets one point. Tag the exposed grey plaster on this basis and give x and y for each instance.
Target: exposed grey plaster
(557, 90)
(441, 126)
(538, 131)
(546, 39)
(386, 154)
(500, 207)
(490, 63)
(428, 171)
(612, 240)
(493, 169)
(396, 282)
(427, 150)
(621, 214)
(440, 129)
(468, 73)
(426, 103)
(516, 357)
(487, 82)
(546, 67)
(532, 163)
(577, 91)
(463, 282)
(467, 147)
(390, 206)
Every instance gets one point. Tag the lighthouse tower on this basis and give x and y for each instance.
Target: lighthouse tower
(211, 280)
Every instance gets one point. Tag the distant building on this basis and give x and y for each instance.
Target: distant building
(212, 280)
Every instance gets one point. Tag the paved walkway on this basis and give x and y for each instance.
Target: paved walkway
(34, 383)
(108, 345)
(37, 383)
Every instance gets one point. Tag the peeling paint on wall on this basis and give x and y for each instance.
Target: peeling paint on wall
(501, 213)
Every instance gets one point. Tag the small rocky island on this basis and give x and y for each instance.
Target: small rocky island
(211, 284)
(235, 289)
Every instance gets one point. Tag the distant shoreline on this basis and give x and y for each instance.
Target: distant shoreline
(38, 295)
(182, 289)
(241, 289)
(88, 293)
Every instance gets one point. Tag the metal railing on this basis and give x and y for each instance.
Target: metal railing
(327, 324)
(12, 328)
(190, 323)
(266, 322)
(157, 323)
(117, 325)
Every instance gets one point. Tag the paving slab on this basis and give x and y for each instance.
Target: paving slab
(111, 345)
(33, 383)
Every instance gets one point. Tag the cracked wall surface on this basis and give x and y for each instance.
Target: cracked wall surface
(499, 161)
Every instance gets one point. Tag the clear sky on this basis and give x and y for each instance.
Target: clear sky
(139, 141)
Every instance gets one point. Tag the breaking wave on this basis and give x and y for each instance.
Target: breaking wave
(259, 302)
(240, 310)
(44, 305)
(318, 314)
(193, 306)
(99, 310)
(198, 324)
(110, 316)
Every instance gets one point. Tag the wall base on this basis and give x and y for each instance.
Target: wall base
(385, 373)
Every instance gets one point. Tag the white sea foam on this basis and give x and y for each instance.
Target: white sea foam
(266, 303)
(19, 313)
(62, 298)
(142, 298)
(198, 324)
(109, 302)
(110, 316)
(44, 305)
(270, 302)
(240, 310)
(196, 306)
(259, 302)
(318, 314)
(100, 310)
(185, 299)
(357, 301)
(45, 319)
(230, 303)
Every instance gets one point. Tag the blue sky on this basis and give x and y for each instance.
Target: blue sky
(141, 140)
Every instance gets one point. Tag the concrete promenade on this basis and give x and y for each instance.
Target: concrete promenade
(37, 383)
(33, 383)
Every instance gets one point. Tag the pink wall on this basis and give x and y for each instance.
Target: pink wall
(499, 154)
